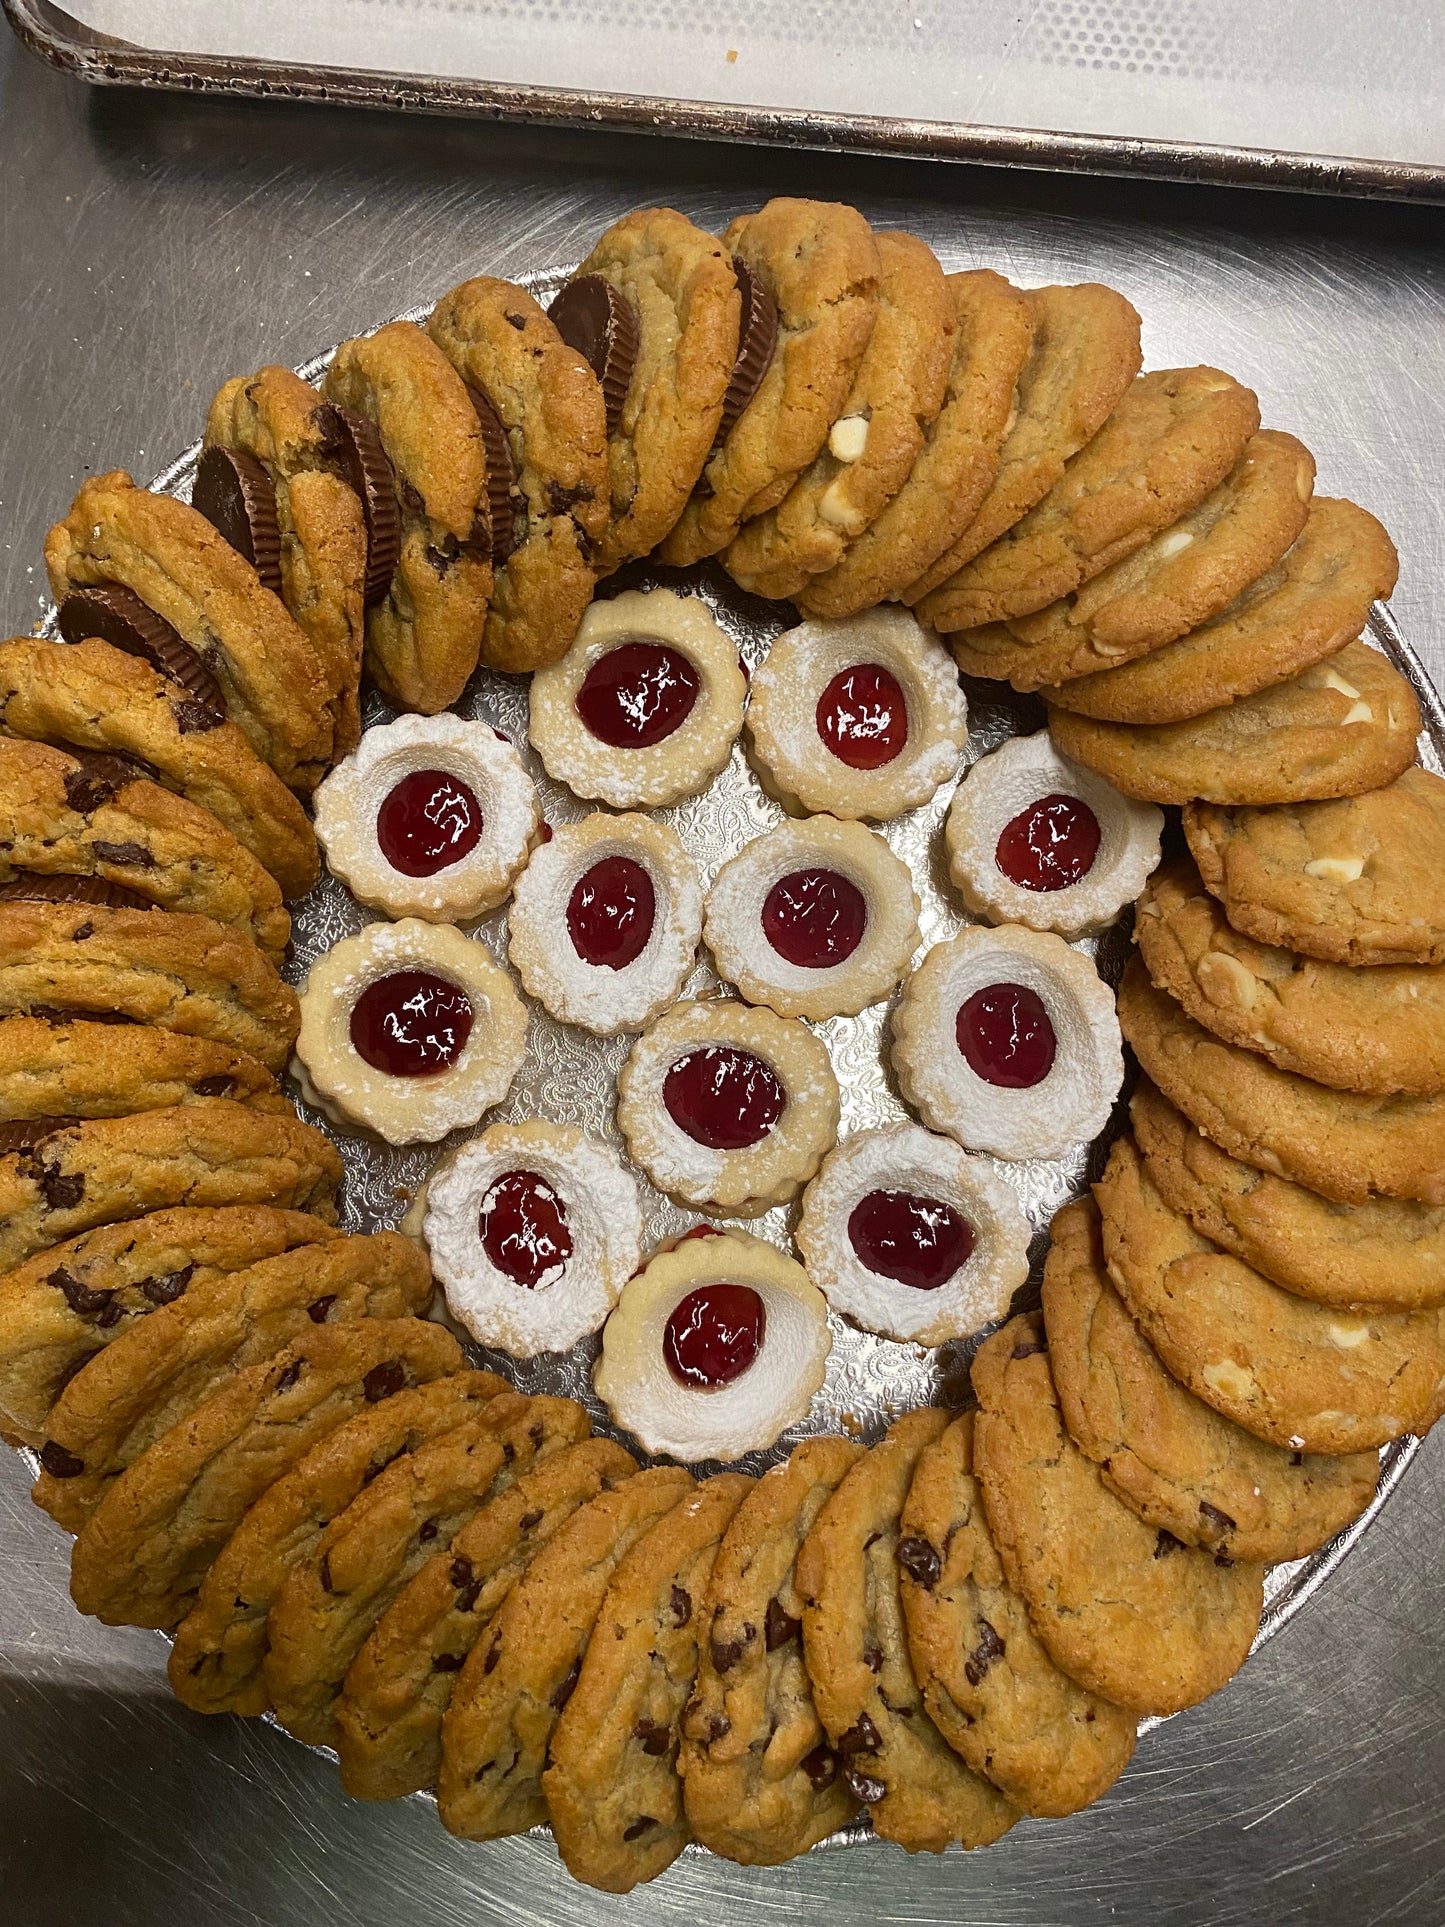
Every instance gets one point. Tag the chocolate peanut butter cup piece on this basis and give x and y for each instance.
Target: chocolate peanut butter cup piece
(598, 320)
(24, 1133)
(118, 616)
(757, 338)
(72, 889)
(353, 442)
(238, 498)
(501, 477)
(102, 773)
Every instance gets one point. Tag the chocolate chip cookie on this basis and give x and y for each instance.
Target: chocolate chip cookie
(613, 1794)
(424, 626)
(1360, 880)
(1312, 602)
(664, 383)
(97, 697)
(180, 972)
(517, 1680)
(1311, 1378)
(1049, 1746)
(552, 446)
(1185, 575)
(269, 486)
(1123, 1608)
(216, 1661)
(144, 1551)
(871, 449)
(1380, 1031)
(156, 1373)
(226, 639)
(1171, 1458)
(761, 1782)
(1345, 725)
(992, 326)
(389, 1716)
(333, 1597)
(53, 1068)
(918, 1791)
(816, 264)
(60, 1308)
(118, 1168)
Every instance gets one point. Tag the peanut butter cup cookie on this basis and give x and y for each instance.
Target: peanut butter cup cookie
(547, 436)
(75, 1069)
(808, 273)
(151, 574)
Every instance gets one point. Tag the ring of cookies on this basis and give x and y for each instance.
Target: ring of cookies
(265, 1435)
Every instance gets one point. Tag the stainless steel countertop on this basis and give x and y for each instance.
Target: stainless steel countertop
(152, 246)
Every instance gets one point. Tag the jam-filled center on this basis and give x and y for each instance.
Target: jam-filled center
(814, 918)
(862, 716)
(713, 1335)
(524, 1231)
(914, 1240)
(428, 821)
(1006, 1037)
(1050, 845)
(411, 1024)
(637, 694)
(723, 1098)
(611, 911)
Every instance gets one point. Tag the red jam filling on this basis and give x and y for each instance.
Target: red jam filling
(916, 1241)
(724, 1099)
(862, 716)
(523, 1229)
(610, 913)
(713, 1335)
(411, 1024)
(1050, 845)
(428, 822)
(1004, 1033)
(814, 918)
(637, 694)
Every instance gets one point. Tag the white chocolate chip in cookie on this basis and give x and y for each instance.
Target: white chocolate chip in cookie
(1358, 713)
(1336, 869)
(1231, 1380)
(848, 438)
(1225, 981)
(1349, 1334)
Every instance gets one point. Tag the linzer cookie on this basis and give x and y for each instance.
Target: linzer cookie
(1171, 440)
(1312, 602)
(86, 816)
(1083, 354)
(77, 1069)
(424, 627)
(871, 448)
(181, 972)
(808, 272)
(94, 697)
(654, 310)
(548, 431)
(220, 627)
(992, 326)
(265, 479)
(1187, 574)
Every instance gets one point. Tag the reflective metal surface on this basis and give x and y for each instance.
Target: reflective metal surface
(153, 247)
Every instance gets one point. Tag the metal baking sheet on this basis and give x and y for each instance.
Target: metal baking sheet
(1177, 71)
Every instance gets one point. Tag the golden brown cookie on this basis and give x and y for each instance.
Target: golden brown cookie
(423, 635)
(918, 1791)
(549, 404)
(1360, 880)
(872, 447)
(73, 1069)
(1049, 1746)
(241, 635)
(1123, 1608)
(1082, 356)
(275, 419)
(1381, 1031)
(1345, 725)
(1312, 602)
(1171, 1458)
(683, 295)
(1171, 440)
(1186, 574)
(818, 262)
(98, 698)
